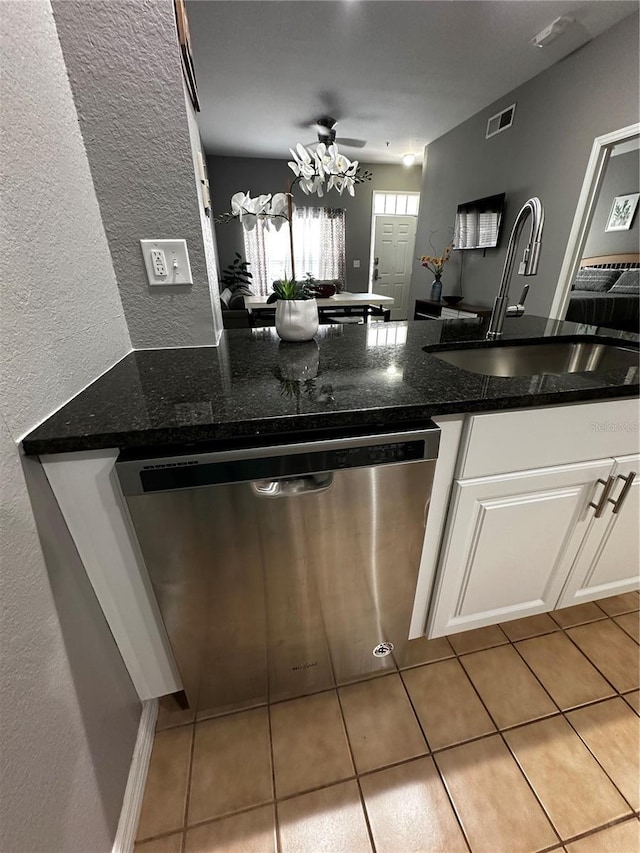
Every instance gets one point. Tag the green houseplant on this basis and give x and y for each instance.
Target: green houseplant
(237, 274)
(235, 283)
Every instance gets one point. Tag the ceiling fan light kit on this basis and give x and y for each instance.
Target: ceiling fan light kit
(408, 159)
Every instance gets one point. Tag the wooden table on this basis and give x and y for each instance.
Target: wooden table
(341, 304)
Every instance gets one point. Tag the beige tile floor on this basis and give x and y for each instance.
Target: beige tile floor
(523, 737)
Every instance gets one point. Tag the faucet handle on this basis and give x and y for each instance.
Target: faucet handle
(523, 295)
(518, 310)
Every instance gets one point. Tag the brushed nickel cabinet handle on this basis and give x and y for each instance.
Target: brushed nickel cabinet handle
(628, 482)
(602, 503)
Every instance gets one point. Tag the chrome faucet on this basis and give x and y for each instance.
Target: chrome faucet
(529, 266)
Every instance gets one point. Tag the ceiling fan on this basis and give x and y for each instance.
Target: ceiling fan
(325, 127)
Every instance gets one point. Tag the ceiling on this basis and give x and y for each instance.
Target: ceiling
(396, 73)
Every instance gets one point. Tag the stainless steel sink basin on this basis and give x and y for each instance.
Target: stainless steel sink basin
(530, 359)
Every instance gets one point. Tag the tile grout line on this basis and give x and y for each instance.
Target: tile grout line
(593, 664)
(564, 712)
(616, 822)
(435, 764)
(511, 753)
(597, 760)
(355, 769)
(185, 818)
(276, 820)
(614, 618)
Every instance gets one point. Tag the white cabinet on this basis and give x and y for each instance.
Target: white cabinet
(507, 549)
(544, 513)
(608, 558)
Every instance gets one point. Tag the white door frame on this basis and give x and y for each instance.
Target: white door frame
(594, 176)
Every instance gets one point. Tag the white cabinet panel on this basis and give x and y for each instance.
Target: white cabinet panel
(499, 442)
(609, 557)
(89, 497)
(508, 547)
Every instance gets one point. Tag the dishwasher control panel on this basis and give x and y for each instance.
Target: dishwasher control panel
(377, 454)
(144, 476)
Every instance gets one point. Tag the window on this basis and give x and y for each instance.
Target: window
(318, 241)
(396, 204)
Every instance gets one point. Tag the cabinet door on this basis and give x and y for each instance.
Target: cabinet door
(608, 559)
(510, 544)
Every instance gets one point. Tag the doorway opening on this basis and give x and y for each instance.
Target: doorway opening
(604, 147)
(394, 218)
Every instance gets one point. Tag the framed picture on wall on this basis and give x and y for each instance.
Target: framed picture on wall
(184, 40)
(622, 212)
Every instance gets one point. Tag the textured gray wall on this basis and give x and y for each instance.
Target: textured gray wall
(124, 66)
(559, 113)
(69, 714)
(229, 175)
(621, 178)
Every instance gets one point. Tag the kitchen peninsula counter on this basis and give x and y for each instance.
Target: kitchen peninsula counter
(253, 386)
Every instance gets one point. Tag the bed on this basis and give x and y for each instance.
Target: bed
(606, 292)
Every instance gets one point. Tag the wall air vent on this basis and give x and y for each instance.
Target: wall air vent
(500, 121)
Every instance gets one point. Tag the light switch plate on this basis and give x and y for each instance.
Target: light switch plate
(178, 268)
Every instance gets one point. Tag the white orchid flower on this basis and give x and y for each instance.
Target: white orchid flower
(303, 165)
(348, 183)
(248, 209)
(277, 211)
(312, 185)
(278, 204)
(324, 165)
(237, 203)
(323, 159)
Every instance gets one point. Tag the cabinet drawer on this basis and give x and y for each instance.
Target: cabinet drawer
(501, 442)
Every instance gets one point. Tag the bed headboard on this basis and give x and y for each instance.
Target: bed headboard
(628, 261)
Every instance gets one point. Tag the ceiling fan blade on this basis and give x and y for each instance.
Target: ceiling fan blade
(351, 143)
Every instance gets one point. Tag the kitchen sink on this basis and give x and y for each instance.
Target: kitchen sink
(548, 357)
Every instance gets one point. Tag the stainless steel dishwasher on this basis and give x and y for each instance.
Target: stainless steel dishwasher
(281, 571)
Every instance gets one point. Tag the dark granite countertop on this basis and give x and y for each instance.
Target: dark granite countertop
(351, 376)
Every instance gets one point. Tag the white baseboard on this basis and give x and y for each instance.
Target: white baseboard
(132, 802)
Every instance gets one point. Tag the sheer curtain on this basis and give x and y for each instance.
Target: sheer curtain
(319, 244)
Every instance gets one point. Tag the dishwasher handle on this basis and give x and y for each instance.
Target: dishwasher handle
(289, 487)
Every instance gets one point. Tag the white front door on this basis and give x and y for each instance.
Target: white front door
(394, 241)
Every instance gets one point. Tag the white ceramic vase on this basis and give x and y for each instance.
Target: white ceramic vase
(296, 319)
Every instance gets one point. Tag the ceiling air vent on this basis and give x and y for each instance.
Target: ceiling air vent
(500, 121)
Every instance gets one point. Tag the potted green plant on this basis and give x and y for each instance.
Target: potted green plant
(237, 275)
(296, 310)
